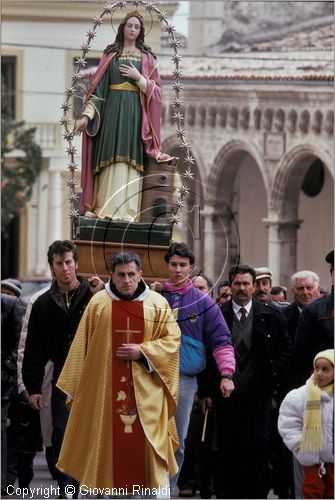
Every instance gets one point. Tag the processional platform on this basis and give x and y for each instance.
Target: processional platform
(98, 240)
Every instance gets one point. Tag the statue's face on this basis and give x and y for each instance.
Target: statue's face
(132, 29)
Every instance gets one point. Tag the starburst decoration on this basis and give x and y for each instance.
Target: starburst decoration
(178, 117)
(81, 62)
(180, 133)
(184, 191)
(70, 91)
(108, 8)
(71, 150)
(179, 204)
(188, 175)
(91, 34)
(186, 145)
(177, 73)
(175, 42)
(71, 183)
(162, 15)
(73, 197)
(74, 213)
(174, 219)
(177, 86)
(85, 46)
(75, 77)
(176, 58)
(64, 121)
(122, 5)
(72, 166)
(189, 160)
(177, 103)
(170, 28)
(150, 7)
(66, 106)
(68, 136)
(97, 21)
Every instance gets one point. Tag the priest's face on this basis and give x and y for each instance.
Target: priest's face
(126, 278)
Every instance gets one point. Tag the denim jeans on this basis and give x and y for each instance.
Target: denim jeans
(187, 390)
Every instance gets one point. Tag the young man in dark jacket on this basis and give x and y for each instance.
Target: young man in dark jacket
(53, 322)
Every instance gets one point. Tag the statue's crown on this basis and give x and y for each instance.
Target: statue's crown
(134, 13)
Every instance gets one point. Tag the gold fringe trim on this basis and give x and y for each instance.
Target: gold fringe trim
(118, 159)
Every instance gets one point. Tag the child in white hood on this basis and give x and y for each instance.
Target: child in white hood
(306, 425)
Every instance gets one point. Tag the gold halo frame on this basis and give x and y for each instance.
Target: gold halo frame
(177, 103)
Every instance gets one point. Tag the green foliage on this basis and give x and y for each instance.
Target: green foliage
(17, 175)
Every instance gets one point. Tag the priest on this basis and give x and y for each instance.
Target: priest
(121, 379)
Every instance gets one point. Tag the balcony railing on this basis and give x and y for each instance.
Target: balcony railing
(47, 135)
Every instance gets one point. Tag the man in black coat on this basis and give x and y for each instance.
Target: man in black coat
(315, 330)
(11, 322)
(305, 289)
(262, 351)
(53, 321)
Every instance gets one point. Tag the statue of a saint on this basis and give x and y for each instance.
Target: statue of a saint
(121, 125)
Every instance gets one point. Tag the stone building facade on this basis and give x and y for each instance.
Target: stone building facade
(254, 141)
(260, 124)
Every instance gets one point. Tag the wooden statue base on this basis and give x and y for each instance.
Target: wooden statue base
(98, 240)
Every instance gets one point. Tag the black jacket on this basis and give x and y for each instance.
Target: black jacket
(11, 323)
(315, 333)
(51, 330)
(292, 315)
(271, 349)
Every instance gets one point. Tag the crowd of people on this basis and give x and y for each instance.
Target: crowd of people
(208, 390)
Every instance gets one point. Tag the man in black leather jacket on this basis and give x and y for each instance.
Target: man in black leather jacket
(54, 318)
(11, 322)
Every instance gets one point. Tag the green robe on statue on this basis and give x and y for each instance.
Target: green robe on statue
(118, 156)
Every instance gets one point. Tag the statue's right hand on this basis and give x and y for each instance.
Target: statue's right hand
(81, 125)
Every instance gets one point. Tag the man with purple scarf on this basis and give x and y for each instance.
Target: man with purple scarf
(202, 328)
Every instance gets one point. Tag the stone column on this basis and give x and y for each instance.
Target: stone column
(38, 213)
(282, 248)
(208, 235)
(55, 212)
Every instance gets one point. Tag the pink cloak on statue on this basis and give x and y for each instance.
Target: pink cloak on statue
(151, 103)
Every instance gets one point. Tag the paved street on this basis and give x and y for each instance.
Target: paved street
(43, 487)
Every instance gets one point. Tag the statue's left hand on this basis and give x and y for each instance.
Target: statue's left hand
(129, 71)
(80, 125)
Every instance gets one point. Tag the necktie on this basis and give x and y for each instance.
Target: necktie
(243, 314)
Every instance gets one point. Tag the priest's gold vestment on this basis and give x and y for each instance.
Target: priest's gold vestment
(87, 453)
